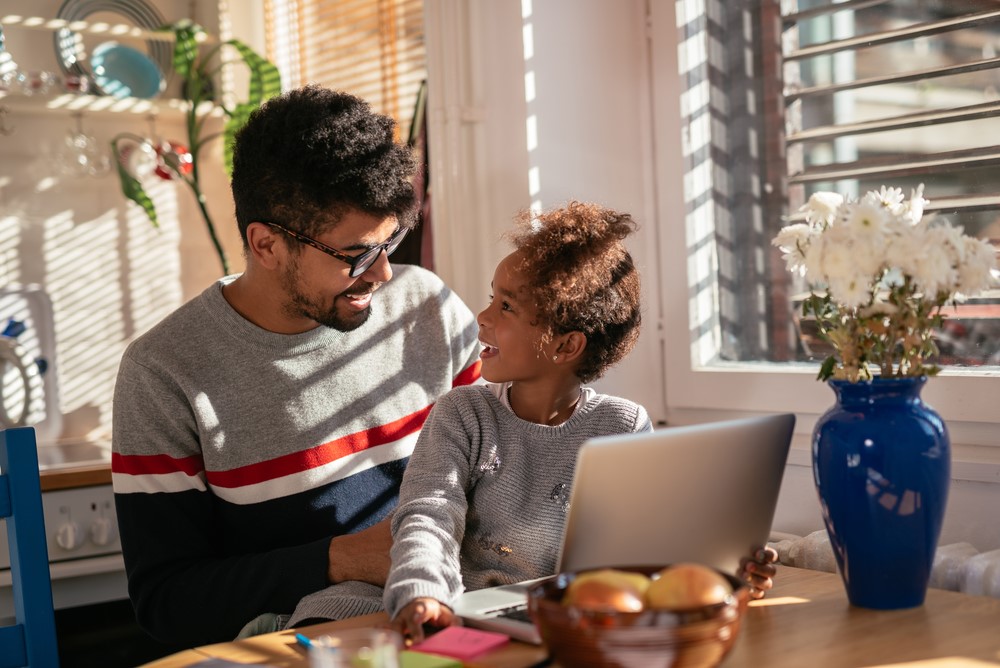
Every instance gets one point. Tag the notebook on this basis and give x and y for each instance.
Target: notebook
(704, 493)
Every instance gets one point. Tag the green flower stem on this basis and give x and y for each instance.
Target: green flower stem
(211, 227)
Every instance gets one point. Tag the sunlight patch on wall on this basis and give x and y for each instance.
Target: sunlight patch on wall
(10, 259)
(530, 95)
(152, 260)
(81, 277)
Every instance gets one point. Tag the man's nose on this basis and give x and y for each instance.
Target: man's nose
(380, 271)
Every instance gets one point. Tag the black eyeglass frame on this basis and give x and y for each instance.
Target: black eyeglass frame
(359, 263)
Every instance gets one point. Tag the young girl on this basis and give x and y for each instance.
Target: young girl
(484, 496)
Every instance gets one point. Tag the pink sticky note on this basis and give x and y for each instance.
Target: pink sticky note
(461, 642)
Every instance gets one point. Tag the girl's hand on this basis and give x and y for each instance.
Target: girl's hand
(411, 619)
(758, 570)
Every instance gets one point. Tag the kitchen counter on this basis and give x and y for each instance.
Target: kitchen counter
(74, 464)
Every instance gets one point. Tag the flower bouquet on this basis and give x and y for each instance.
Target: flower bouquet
(879, 274)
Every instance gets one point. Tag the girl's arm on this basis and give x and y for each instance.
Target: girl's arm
(429, 523)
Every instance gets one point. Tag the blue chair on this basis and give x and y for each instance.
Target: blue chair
(31, 640)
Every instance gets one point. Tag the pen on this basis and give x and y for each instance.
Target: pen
(303, 640)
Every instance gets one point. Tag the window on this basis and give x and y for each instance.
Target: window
(844, 97)
(780, 99)
(371, 48)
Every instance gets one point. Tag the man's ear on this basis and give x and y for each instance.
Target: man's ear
(263, 246)
(569, 347)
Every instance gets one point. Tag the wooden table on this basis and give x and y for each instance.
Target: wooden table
(805, 621)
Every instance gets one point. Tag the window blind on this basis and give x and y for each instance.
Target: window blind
(371, 48)
(894, 91)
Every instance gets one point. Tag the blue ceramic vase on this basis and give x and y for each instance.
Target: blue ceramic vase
(882, 466)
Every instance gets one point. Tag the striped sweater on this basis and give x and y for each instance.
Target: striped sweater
(239, 453)
(483, 502)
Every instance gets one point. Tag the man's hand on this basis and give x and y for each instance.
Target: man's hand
(362, 556)
(759, 570)
(411, 619)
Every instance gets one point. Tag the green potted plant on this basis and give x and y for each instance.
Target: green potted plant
(199, 68)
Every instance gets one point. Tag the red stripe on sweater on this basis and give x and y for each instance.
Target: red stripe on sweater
(155, 464)
(469, 375)
(320, 455)
(292, 463)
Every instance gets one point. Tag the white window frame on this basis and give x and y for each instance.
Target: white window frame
(968, 400)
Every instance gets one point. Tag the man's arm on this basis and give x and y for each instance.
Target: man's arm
(362, 556)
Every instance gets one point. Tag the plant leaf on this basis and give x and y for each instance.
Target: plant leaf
(132, 189)
(185, 45)
(265, 83)
(826, 370)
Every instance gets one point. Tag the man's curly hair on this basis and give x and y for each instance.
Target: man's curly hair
(581, 278)
(306, 157)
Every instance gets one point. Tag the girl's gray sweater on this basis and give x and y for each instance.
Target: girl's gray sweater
(483, 500)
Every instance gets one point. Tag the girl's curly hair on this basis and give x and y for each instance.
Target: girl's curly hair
(579, 274)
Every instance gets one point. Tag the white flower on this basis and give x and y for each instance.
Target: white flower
(850, 292)
(934, 269)
(864, 219)
(913, 210)
(904, 248)
(793, 240)
(813, 261)
(839, 265)
(975, 274)
(821, 209)
(887, 198)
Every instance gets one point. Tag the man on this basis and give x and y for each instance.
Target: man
(261, 430)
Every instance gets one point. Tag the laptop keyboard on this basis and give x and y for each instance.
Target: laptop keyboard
(517, 613)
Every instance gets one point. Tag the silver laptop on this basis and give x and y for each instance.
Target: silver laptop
(704, 493)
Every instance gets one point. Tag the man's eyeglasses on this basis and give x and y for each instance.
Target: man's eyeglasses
(359, 263)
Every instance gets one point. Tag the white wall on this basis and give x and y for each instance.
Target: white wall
(584, 134)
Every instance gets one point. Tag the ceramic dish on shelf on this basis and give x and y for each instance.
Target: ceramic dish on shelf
(69, 45)
(121, 71)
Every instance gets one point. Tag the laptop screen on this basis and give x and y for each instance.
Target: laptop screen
(704, 493)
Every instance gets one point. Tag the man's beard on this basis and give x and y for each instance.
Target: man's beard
(301, 306)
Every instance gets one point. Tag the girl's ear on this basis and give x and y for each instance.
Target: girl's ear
(569, 347)
(263, 246)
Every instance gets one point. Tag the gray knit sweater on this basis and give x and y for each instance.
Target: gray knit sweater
(483, 500)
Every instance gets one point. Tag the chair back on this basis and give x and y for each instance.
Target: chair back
(31, 639)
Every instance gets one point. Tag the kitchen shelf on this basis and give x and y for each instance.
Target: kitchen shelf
(97, 105)
(117, 30)
(101, 105)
